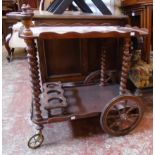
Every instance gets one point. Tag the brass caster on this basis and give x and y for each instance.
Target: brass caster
(36, 141)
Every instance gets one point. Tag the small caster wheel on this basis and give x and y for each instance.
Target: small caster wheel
(8, 59)
(35, 141)
(121, 115)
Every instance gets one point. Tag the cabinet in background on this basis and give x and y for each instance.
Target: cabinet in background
(140, 14)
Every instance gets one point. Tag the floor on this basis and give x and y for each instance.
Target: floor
(83, 137)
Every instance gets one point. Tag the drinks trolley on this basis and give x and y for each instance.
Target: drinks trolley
(119, 111)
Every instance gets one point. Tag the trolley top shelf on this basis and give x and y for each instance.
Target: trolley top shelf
(61, 32)
(83, 30)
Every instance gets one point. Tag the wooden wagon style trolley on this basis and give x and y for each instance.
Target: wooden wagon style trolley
(120, 111)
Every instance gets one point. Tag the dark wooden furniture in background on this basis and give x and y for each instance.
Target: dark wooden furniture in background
(84, 101)
(46, 18)
(140, 13)
(33, 3)
(9, 6)
(7, 25)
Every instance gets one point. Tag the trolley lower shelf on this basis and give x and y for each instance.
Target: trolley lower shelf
(89, 99)
(82, 102)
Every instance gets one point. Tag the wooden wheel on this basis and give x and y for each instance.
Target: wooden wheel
(93, 77)
(121, 115)
(35, 141)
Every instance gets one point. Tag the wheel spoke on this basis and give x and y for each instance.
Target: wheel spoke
(125, 106)
(36, 137)
(121, 125)
(130, 109)
(113, 124)
(113, 116)
(128, 122)
(126, 102)
(124, 125)
(133, 115)
(37, 143)
(117, 109)
(32, 142)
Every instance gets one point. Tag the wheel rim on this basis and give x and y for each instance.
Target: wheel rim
(122, 115)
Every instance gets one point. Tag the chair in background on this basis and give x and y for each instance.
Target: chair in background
(12, 40)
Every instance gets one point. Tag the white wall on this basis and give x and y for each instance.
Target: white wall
(113, 6)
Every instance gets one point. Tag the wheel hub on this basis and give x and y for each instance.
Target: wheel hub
(124, 116)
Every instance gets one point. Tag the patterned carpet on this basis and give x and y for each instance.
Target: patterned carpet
(83, 137)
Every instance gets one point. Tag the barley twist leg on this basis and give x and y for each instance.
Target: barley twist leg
(36, 140)
(125, 66)
(103, 67)
(35, 80)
